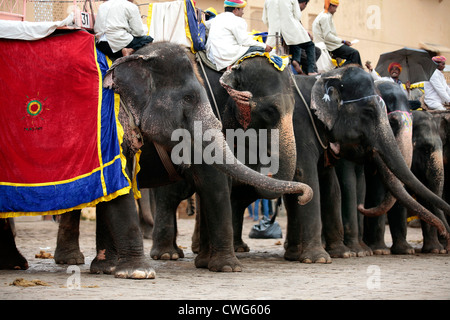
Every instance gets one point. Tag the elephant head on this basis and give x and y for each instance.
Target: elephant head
(400, 120)
(163, 98)
(347, 102)
(262, 100)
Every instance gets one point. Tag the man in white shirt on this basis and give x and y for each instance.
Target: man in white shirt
(118, 28)
(228, 38)
(325, 31)
(283, 17)
(437, 92)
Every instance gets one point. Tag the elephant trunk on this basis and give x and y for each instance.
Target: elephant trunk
(404, 198)
(283, 153)
(401, 122)
(387, 153)
(237, 170)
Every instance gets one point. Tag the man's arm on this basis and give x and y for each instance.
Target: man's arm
(239, 30)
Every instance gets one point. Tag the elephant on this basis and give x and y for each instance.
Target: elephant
(161, 93)
(401, 123)
(251, 97)
(426, 165)
(347, 119)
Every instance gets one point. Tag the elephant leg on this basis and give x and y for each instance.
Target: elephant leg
(146, 221)
(67, 243)
(241, 198)
(120, 247)
(10, 257)
(374, 227)
(333, 231)
(348, 176)
(167, 199)
(398, 227)
(304, 227)
(216, 251)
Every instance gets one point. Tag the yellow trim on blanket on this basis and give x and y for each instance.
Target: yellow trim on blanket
(120, 134)
(186, 26)
(149, 17)
(106, 197)
(99, 123)
(267, 55)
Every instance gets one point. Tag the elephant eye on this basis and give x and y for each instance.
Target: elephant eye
(188, 98)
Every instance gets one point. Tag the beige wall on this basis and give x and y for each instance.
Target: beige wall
(380, 25)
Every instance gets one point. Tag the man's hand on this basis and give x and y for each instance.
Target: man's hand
(347, 43)
(268, 48)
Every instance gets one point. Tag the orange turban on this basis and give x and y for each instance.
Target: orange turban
(328, 2)
(395, 64)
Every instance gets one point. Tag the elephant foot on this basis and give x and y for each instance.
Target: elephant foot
(402, 247)
(13, 261)
(136, 268)
(241, 246)
(102, 264)
(11, 258)
(433, 247)
(69, 256)
(218, 262)
(127, 268)
(167, 253)
(313, 254)
(340, 251)
(379, 248)
(359, 250)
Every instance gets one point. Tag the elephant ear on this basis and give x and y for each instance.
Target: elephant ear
(109, 79)
(241, 98)
(326, 99)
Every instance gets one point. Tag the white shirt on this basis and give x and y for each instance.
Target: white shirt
(377, 77)
(228, 40)
(284, 16)
(325, 31)
(437, 91)
(118, 21)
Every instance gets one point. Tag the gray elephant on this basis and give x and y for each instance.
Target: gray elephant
(346, 119)
(162, 93)
(253, 97)
(401, 123)
(169, 98)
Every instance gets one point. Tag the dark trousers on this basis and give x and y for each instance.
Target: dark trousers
(348, 53)
(310, 49)
(136, 43)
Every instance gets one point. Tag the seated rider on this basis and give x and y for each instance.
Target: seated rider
(118, 28)
(325, 31)
(228, 39)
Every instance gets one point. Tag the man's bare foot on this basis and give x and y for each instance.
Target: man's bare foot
(297, 67)
(127, 51)
(312, 74)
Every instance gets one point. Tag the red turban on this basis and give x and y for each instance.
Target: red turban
(395, 64)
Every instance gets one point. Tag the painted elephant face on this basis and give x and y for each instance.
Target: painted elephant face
(261, 98)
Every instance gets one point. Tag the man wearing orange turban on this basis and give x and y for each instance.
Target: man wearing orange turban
(325, 31)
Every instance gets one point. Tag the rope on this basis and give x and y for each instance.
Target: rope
(325, 147)
(209, 86)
